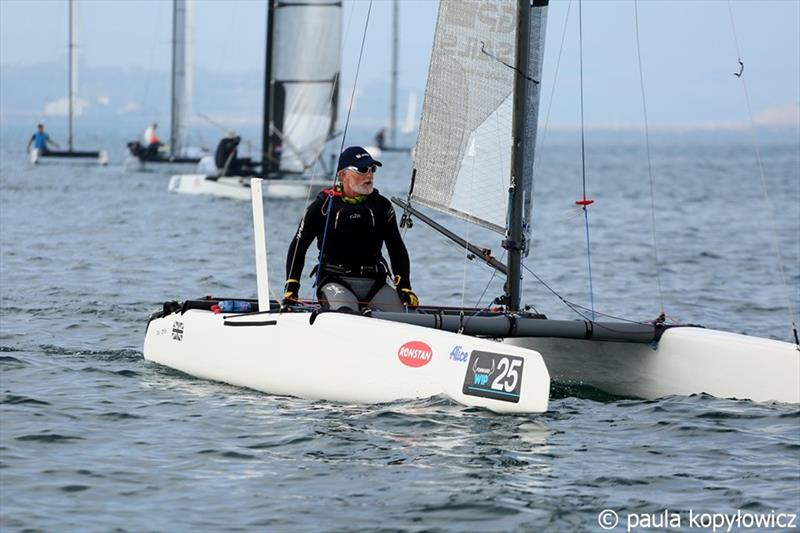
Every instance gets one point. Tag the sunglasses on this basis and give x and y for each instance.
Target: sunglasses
(364, 170)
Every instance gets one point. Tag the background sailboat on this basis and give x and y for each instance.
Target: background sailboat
(179, 150)
(301, 92)
(409, 124)
(72, 95)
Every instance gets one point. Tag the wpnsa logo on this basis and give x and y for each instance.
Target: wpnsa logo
(415, 354)
(458, 354)
(177, 331)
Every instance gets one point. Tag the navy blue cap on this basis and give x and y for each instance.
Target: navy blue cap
(356, 156)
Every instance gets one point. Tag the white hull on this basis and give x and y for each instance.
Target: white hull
(346, 358)
(238, 188)
(686, 361)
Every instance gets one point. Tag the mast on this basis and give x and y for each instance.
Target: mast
(181, 73)
(73, 64)
(267, 164)
(393, 96)
(514, 243)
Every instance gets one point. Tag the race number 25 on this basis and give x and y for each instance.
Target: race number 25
(493, 375)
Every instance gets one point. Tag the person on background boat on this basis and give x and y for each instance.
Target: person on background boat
(380, 138)
(226, 158)
(351, 223)
(151, 141)
(40, 140)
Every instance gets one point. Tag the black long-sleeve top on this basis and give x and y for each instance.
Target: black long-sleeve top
(355, 236)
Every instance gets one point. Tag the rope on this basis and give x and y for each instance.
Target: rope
(767, 198)
(584, 203)
(649, 162)
(344, 138)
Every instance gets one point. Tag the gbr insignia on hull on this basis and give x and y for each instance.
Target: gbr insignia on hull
(494, 375)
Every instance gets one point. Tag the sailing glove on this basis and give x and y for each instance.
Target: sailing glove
(291, 292)
(407, 296)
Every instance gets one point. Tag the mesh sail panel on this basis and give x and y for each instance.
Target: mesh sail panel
(306, 56)
(463, 151)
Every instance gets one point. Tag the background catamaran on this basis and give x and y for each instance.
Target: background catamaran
(180, 152)
(482, 98)
(301, 93)
(72, 94)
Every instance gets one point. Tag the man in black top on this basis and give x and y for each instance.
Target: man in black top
(351, 223)
(226, 158)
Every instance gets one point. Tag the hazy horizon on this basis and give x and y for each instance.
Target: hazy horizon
(689, 54)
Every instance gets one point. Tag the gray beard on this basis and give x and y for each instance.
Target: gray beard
(363, 189)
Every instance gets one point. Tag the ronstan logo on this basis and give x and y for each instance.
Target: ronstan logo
(415, 354)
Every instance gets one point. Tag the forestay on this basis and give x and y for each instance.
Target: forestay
(463, 151)
(305, 62)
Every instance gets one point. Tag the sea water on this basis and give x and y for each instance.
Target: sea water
(94, 438)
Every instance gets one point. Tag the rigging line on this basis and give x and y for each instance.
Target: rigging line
(512, 67)
(767, 198)
(555, 76)
(649, 161)
(584, 203)
(574, 307)
(344, 137)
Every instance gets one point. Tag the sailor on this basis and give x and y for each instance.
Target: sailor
(351, 222)
(40, 140)
(151, 141)
(226, 158)
(380, 138)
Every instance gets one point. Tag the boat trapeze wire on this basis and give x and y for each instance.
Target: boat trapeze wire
(656, 260)
(770, 206)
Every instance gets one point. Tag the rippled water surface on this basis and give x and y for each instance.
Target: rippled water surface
(93, 438)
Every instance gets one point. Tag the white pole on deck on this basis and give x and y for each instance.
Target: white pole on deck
(262, 274)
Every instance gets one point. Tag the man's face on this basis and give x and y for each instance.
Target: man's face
(356, 182)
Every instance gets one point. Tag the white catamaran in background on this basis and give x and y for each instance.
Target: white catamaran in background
(470, 107)
(301, 93)
(179, 151)
(101, 156)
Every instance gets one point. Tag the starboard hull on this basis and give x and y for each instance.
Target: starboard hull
(348, 358)
(686, 360)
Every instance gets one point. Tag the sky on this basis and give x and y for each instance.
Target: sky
(689, 51)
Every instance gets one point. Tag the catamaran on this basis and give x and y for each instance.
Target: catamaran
(480, 114)
(70, 153)
(307, 352)
(301, 92)
(180, 152)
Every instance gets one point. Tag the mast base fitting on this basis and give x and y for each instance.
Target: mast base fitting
(508, 244)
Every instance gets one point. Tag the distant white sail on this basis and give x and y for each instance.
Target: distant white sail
(182, 57)
(305, 63)
(410, 123)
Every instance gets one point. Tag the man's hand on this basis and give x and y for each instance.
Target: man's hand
(408, 298)
(291, 292)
